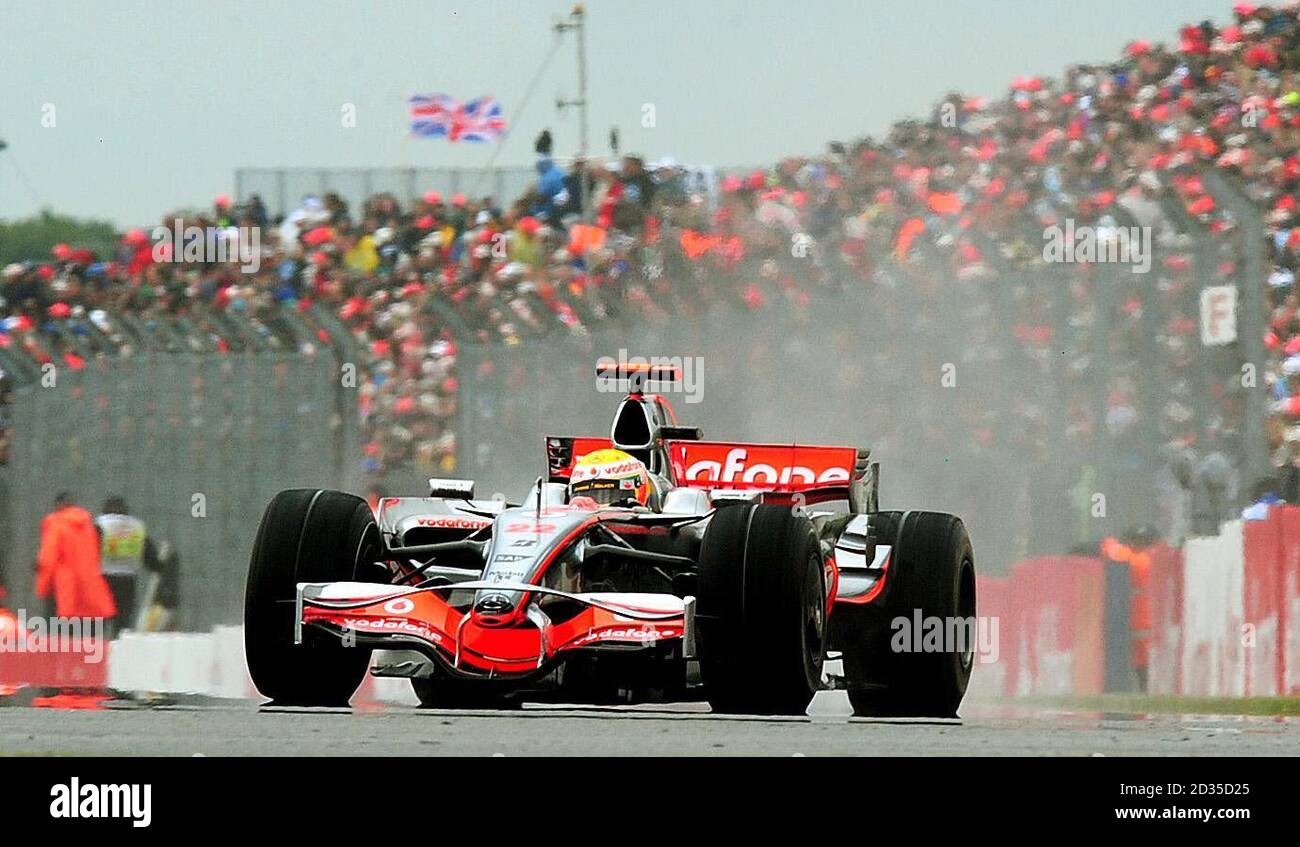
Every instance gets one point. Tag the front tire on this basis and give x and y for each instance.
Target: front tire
(306, 535)
(761, 611)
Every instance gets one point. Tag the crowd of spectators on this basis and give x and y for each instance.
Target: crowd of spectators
(939, 225)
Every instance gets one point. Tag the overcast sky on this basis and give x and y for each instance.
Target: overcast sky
(155, 104)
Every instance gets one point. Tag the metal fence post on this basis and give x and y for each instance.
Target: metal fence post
(1252, 316)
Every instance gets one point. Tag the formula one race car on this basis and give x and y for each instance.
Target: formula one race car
(649, 566)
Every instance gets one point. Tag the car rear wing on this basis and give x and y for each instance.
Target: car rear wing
(637, 373)
(817, 473)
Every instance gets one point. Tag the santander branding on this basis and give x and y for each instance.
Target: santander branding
(734, 468)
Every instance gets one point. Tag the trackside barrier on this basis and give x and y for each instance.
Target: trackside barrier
(1224, 617)
(209, 664)
(1263, 635)
(1165, 590)
(1213, 583)
(1056, 612)
(990, 680)
(181, 663)
(1289, 569)
(75, 665)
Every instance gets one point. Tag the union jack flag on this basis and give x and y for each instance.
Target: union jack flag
(443, 116)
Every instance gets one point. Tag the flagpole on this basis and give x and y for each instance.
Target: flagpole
(405, 157)
(577, 22)
(517, 117)
(580, 14)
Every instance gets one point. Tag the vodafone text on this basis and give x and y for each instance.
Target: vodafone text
(734, 468)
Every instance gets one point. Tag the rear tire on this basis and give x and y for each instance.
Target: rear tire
(761, 611)
(934, 569)
(306, 535)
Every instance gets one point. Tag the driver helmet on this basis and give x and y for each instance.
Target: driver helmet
(611, 476)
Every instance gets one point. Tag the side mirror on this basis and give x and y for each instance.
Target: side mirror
(451, 489)
(864, 492)
(681, 433)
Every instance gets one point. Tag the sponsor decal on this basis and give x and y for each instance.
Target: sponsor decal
(453, 523)
(765, 466)
(506, 558)
(399, 606)
(390, 626)
(644, 634)
(581, 472)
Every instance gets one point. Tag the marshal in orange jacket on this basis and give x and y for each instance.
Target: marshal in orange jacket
(68, 565)
(1139, 569)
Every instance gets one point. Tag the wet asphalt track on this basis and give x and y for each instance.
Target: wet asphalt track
(246, 729)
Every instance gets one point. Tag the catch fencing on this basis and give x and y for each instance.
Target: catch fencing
(196, 443)
(283, 188)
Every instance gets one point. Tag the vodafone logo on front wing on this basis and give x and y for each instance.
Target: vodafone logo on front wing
(453, 523)
(393, 625)
(644, 634)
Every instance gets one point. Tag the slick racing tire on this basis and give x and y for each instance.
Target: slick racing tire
(306, 535)
(761, 611)
(933, 570)
(445, 692)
